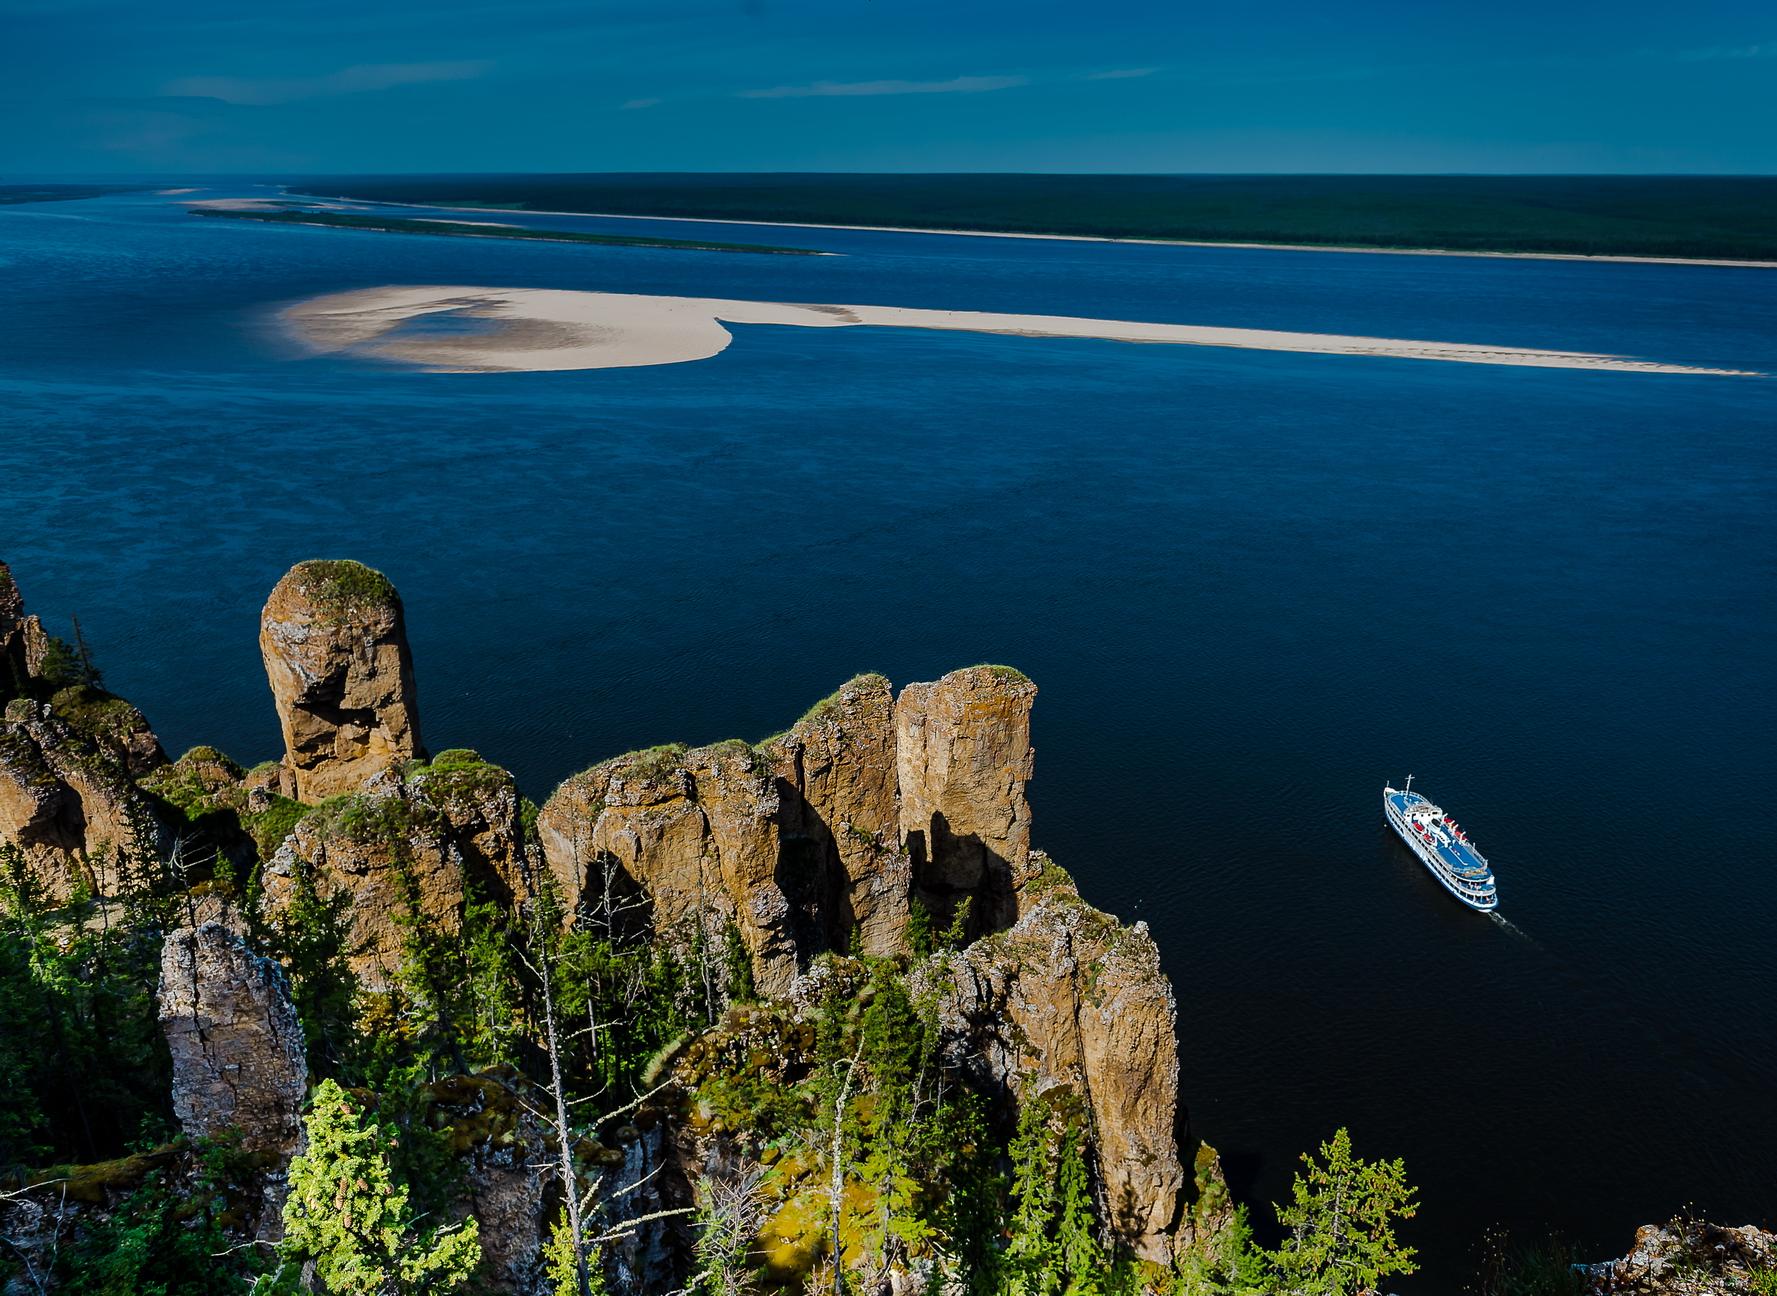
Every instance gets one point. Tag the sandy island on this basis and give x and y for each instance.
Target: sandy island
(538, 329)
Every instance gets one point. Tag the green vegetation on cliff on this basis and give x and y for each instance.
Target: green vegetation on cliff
(343, 587)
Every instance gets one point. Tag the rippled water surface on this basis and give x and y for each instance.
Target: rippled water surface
(1252, 586)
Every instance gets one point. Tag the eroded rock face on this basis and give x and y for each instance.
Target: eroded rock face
(12, 648)
(866, 806)
(387, 854)
(335, 649)
(839, 821)
(64, 802)
(1688, 1258)
(483, 817)
(628, 1198)
(695, 832)
(113, 725)
(235, 1039)
(404, 849)
(24, 644)
(1069, 997)
(963, 756)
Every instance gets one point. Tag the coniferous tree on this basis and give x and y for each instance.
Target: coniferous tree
(1032, 1259)
(349, 1216)
(1083, 1259)
(1340, 1223)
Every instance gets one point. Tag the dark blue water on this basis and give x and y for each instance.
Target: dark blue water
(1251, 586)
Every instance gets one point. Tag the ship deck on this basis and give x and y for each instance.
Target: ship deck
(1461, 858)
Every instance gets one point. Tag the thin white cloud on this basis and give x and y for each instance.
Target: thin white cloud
(352, 80)
(630, 105)
(1766, 49)
(1121, 74)
(826, 89)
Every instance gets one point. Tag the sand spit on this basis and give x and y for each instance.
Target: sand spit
(537, 329)
(1357, 249)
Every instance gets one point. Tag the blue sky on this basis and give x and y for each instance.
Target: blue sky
(568, 85)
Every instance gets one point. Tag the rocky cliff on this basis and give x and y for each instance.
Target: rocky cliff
(838, 820)
(1688, 1257)
(868, 808)
(1069, 998)
(872, 823)
(406, 848)
(963, 756)
(69, 754)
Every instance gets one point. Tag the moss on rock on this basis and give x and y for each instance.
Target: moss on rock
(826, 706)
(343, 586)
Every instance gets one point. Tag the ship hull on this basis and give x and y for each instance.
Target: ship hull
(1428, 856)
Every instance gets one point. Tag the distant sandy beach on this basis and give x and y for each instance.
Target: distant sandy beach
(1103, 238)
(538, 330)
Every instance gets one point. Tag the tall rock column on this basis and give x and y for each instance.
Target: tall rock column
(235, 1039)
(839, 818)
(335, 648)
(963, 756)
(1070, 998)
(696, 832)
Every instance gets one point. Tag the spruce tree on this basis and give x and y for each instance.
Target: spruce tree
(1340, 1223)
(348, 1215)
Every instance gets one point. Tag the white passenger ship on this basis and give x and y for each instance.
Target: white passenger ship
(1441, 846)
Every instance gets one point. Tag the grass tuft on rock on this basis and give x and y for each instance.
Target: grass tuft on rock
(998, 671)
(342, 586)
(650, 762)
(459, 777)
(824, 709)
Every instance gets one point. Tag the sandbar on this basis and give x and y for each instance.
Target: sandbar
(543, 329)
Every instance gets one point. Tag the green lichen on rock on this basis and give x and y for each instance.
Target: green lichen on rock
(367, 818)
(998, 671)
(824, 709)
(210, 793)
(343, 587)
(650, 763)
(95, 1184)
(99, 715)
(200, 783)
(270, 826)
(459, 776)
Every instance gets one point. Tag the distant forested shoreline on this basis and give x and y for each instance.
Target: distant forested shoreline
(1703, 217)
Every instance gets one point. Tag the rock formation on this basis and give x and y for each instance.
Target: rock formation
(384, 859)
(65, 803)
(68, 752)
(872, 805)
(235, 1040)
(24, 644)
(1069, 997)
(963, 757)
(869, 823)
(335, 648)
(838, 820)
(404, 850)
(1688, 1257)
(695, 832)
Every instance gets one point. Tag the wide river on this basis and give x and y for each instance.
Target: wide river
(1252, 586)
